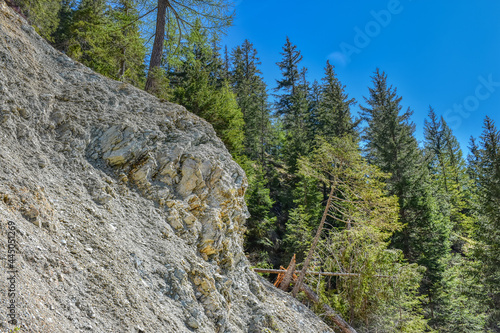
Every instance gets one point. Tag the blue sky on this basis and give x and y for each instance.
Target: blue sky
(445, 54)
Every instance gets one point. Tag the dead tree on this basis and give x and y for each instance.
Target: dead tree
(298, 285)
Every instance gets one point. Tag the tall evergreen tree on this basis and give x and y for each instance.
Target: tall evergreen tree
(292, 137)
(251, 94)
(250, 90)
(62, 34)
(297, 141)
(391, 146)
(448, 169)
(334, 115)
(130, 45)
(289, 82)
(106, 38)
(292, 105)
(485, 169)
(455, 310)
(201, 90)
(42, 14)
(364, 216)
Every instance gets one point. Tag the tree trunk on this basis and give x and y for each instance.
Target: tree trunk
(297, 286)
(157, 52)
(288, 275)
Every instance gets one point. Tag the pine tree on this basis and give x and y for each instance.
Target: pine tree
(42, 14)
(304, 218)
(105, 38)
(261, 224)
(250, 90)
(251, 94)
(61, 35)
(291, 111)
(334, 116)
(390, 145)
(129, 44)
(201, 90)
(448, 169)
(297, 141)
(286, 105)
(485, 168)
(361, 217)
(455, 310)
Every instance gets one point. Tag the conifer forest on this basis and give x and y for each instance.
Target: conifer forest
(417, 223)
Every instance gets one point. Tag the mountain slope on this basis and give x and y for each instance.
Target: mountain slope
(127, 212)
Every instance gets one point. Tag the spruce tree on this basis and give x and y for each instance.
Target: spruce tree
(334, 108)
(62, 34)
(250, 90)
(251, 94)
(361, 217)
(448, 170)
(291, 138)
(297, 141)
(288, 85)
(391, 146)
(42, 14)
(455, 309)
(201, 90)
(129, 44)
(293, 105)
(485, 169)
(105, 38)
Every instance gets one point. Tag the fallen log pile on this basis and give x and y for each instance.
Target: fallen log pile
(288, 276)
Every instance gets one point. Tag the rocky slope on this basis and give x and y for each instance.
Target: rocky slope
(127, 212)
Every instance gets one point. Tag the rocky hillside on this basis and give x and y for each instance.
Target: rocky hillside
(125, 212)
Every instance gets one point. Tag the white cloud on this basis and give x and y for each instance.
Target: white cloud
(338, 59)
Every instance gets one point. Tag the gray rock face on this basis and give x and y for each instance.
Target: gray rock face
(129, 211)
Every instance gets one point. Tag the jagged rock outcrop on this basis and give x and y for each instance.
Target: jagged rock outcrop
(128, 210)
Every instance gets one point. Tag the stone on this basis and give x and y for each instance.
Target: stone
(135, 195)
(193, 323)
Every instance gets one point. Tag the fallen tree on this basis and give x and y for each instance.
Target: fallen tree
(329, 312)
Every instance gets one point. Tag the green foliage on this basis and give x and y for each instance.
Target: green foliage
(106, 39)
(449, 173)
(390, 145)
(448, 212)
(457, 307)
(61, 34)
(162, 89)
(241, 69)
(293, 105)
(260, 224)
(360, 195)
(304, 218)
(213, 15)
(362, 217)
(384, 297)
(425, 208)
(201, 91)
(42, 14)
(452, 307)
(333, 117)
(289, 83)
(250, 91)
(181, 17)
(485, 171)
